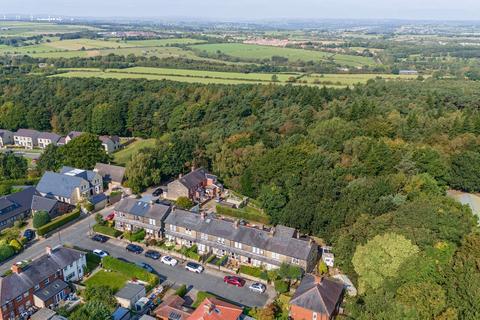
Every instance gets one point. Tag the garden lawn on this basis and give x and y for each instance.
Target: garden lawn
(113, 279)
(123, 156)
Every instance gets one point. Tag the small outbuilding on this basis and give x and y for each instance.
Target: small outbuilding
(130, 294)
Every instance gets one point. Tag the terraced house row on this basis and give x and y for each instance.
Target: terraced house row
(243, 243)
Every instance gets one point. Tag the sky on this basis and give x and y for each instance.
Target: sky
(229, 10)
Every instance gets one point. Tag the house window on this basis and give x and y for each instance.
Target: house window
(257, 250)
(256, 263)
(46, 281)
(204, 236)
(173, 228)
(25, 294)
(70, 276)
(238, 245)
(275, 256)
(19, 298)
(4, 307)
(152, 222)
(221, 240)
(201, 247)
(36, 287)
(295, 261)
(314, 316)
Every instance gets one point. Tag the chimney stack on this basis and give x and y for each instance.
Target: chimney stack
(208, 308)
(48, 250)
(16, 269)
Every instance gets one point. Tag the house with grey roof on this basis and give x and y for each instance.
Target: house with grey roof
(72, 135)
(26, 138)
(6, 138)
(130, 294)
(316, 298)
(47, 138)
(70, 185)
(16, 206)
(110, 143)
(52, 206)
(133, 214)
(41, 282)
(197, 185)
(113, 175)
(242, 243)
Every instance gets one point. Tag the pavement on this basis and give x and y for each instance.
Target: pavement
(210, 280)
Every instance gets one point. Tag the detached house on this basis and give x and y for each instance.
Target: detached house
(110, 143)
(113, 175)
(132, 215)
(316, 299)
(242, 243)
(72, 135)
(26, 138)
(42, 283)
(46, 138)
(6, 138)
(198, 185)
(70, 185)
(16, 206)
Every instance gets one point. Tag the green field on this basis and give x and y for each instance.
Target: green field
(26, 29)
(352, 79)
(112, 279)
(257, 52)
(123, 156)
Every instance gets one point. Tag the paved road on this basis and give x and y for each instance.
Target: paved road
(210, 280)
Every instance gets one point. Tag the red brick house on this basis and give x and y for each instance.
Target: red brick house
(197, 185)
(41, 283)
(316, 299)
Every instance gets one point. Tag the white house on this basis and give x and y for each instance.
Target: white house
(26, 138)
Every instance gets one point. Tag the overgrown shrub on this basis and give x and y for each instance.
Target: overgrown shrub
(40, 218)
(58, 222)
(281, 286)
(182, 291)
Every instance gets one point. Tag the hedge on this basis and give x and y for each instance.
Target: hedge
(58, 222)
(106, 230)
(281, 286)
(254, 272)
(242, 214)
(136, 236)
(131, 270)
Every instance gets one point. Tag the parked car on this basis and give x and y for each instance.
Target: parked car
(145, 266)
(194, 267)
(100, 238)
(100, 253)
(169, 260)
(134, 248)
(152, 254)
(110, 217)
(29, 234)
(257, 287)
(157, 192)
(236, 281)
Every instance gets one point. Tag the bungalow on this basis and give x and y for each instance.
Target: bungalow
(26, 138)
(198, 185)
(46, 138)
(6, 138)
(110, 143)
(70, 185)
(130, 294)
(42, 283)
(317, 299)
(16, 206)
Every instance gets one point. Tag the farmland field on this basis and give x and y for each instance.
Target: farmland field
(25, 29)
(352, 79)
(258, 52)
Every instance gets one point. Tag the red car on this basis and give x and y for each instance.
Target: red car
(110, 217)
(236, 281)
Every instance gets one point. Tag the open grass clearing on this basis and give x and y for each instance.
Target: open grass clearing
(123, 156)
(112, 279)
(352, 79)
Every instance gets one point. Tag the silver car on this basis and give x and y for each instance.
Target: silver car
(258, 287)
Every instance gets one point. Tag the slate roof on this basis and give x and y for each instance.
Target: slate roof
(193, 178)
(61, 141)
(84, 174)
(105, 139)
(57, 184)
(49, 135)
(98, 198)
(129, 291)
(27, 133)
(42, 314)
(278, 242)
(74, 134)
(318, 295)
(120, 313)
(52, 289)
(40, 203)
(143, 209)
(110, 172)
(16, 203)
(4, 133)
(38, 270)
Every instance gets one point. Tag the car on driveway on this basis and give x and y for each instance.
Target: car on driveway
(100, 238)
(169, 260)
(29, 234)
(157, 192)
(194, 267)
(233, 280)
(152, 254)
(134, 248)
(257, 287)
(145, 266)
(100, 253)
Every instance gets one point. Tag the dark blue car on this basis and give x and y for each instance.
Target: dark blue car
(29, 234)
(134, 248)
(152, 254)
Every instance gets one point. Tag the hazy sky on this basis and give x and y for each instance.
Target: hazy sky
(251, 9)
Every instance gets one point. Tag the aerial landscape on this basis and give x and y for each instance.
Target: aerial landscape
(216, 160)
